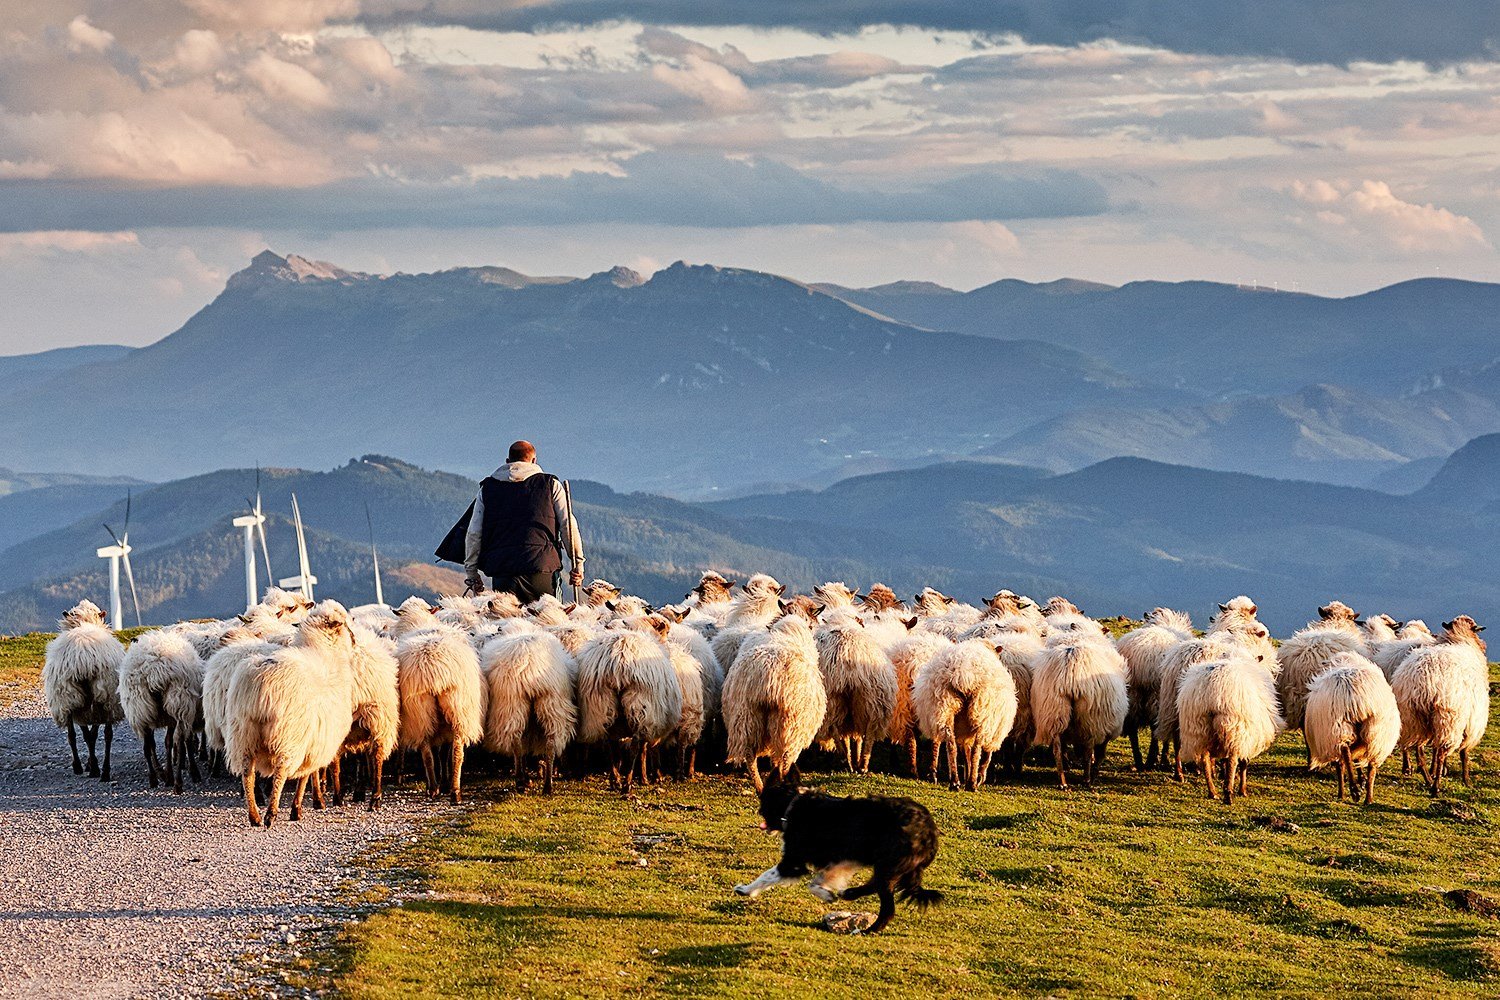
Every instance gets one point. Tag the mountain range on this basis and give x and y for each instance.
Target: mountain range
(1118, 536)
(705, 382)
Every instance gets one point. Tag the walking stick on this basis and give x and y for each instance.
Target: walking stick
(572, 527)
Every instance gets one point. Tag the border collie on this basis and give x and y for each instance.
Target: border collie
(837, 836)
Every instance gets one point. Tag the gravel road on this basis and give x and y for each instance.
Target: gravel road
(120, 891)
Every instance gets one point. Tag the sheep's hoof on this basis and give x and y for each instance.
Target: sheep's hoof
(456, 799)
(104, 774)
(93, 769)
(374, 803)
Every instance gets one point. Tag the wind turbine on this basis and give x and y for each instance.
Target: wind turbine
(304, 580)
(374, 557)
(254, 523)
(117, 553)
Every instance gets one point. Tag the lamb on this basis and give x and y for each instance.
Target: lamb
(908, 658)
(1443, 693)
(161, 687)
(774, 700)
(440, 688)
(966, 699)
(81, 682)
(289, 711)
(860, 682)
(376, 716)
(628, 696)
(1078, 696)
(532, 681)
(1308, 653)
(1144, 650)
(1227, 711)
(1351, 719)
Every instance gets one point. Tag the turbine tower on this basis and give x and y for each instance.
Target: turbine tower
(254, 523)
(116, 554)
(304, 579)
(374, 557)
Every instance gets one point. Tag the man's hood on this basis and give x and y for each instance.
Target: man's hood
(516, 471)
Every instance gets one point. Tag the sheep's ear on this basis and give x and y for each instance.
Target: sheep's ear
(781, 589)
(1223, 607)
(781, 606)
(910, 623)
(1479, 628)
(610, 605)
(1260, 657)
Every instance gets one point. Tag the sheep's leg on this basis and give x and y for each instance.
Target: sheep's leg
(148, 744)
(296, 813)
(400, 767)
(692, 762)
(250, 805)
(911, 756)
(1370, 770)
(455, 793)
(1135, 749)
(91, 737)
(1422, 768)
(1463, 758)
(547, 765)
(756, 781)
(177, 752)
(273, 797)
(1153, 752)
(373, 773)
(1439, 766)
(1340, 769)
(983, 772)
(1090, 763)
(429, 770)
(316, 780)
(1244, 778)
(109, 739)
(1206, 766)
(866, 749)
(73, 744)
(849, 754)
(1406, 762)
(336, 779)
(937, 750)
(630, 751)
(1057, 757)
(953, 772)
(1177, 762)
(168, 744)
(1229, 768)
(612, 750)
(519, 764)
(193, 771)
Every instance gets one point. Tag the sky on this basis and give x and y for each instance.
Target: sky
(149, 148)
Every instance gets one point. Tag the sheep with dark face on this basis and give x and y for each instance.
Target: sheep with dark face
(81, 682)
(1443, 693)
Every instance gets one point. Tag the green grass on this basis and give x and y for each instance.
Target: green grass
(1143, 888)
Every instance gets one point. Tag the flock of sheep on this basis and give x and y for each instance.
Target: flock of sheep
(292, 691)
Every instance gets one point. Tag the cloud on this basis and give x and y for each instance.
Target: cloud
(652, 188)
(1336, 31)
(1358, 213)
(64, 241)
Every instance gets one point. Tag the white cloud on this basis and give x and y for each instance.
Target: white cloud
(82, 35)
(1370, 210)
(65, 241)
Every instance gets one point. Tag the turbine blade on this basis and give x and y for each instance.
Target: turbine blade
(112, 534)
(126, 530)
(130, 576)
(265, 553)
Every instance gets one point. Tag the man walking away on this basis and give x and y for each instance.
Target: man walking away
(520, 521)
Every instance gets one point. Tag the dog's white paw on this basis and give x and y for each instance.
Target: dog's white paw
(825, 894)
(745, 890)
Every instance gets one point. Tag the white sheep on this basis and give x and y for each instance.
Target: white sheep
(161, 687)
(628, 697)
(1308, 653)
(1227, 710)
(908, 657)
(81, 682)
(532, 710)
(236, 648)
(750, 613)
(1443, 693)
(289, 711)
(965, 698)
(774, 700)
(1388, 654)
(442, 692)
(711, 597)
(1234, 635)
(1019, 646)
(860, 683)
(1351, 719)
(376, 710)
(943, 615)
(1078, 697)
(1145, 649)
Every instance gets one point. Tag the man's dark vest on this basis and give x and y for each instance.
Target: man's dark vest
(519, 534)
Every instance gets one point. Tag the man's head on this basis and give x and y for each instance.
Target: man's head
(521, 451)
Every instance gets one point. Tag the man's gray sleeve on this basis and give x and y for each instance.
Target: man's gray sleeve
(471, 539)
(565, 526)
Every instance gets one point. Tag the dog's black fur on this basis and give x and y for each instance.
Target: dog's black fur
(895, 836)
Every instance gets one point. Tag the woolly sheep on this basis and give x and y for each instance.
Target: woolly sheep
(237, 647)
(1443, 694)
(289, 711)
(628, 696)
(1351, 719)
(943, 615)
(81, 682)
(880, 598)
(965, 698)
(1227, 710)
(1145, 649)
(861, 690)
(1078, 697)
(161, 687)
(1018, 647)
(908, 657)
(1308, 653)
(532, 712)
(774, 700)
(442, 694)
(1389, 654)
(1229, 636)
(376, 710)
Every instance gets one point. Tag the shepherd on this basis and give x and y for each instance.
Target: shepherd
(519, 525)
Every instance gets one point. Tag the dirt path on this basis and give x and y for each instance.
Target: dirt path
(119, 891)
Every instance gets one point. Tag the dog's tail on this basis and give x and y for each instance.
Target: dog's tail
(922, 898)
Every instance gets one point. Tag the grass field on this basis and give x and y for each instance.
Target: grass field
(1142, 888)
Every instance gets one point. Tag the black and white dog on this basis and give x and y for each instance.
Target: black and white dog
(836, 837)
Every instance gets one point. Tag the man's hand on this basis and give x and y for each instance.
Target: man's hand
(575, 578)
(475, 582)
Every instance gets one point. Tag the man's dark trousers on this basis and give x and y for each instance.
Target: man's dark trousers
(527, 588)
